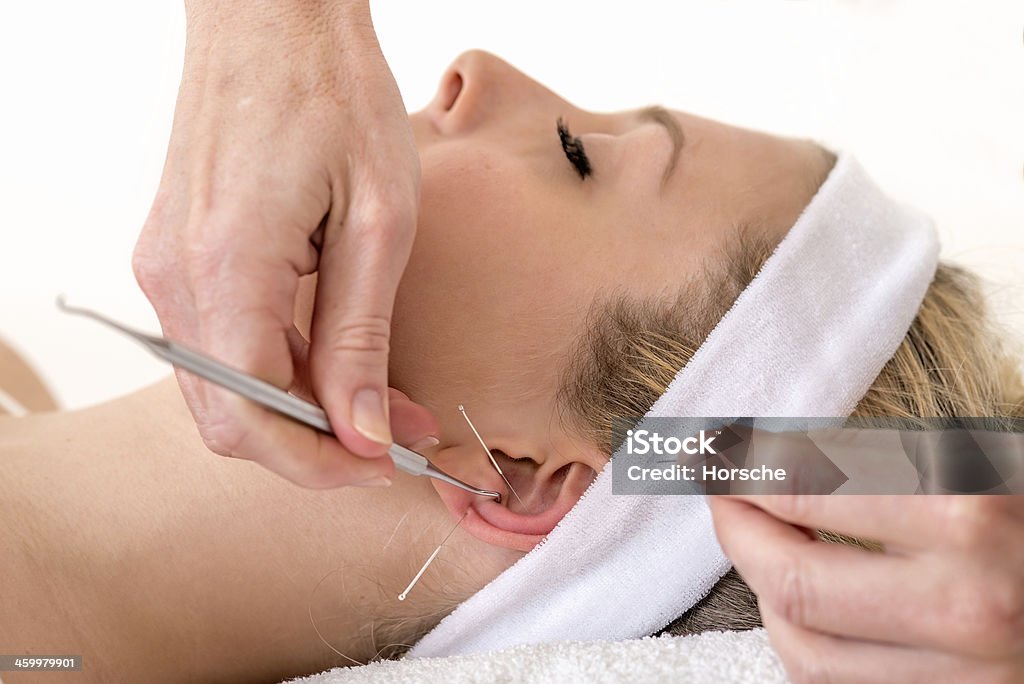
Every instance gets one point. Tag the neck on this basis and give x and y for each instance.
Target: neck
(205, 566)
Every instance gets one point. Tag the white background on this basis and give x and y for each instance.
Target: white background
(930, 96)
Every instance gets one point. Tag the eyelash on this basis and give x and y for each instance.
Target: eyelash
(573, 148)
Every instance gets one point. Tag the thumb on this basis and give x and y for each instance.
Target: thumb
(360, 266)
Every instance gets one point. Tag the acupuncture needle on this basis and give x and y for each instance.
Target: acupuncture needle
(267, 395)
(491, 457)
(401, 597)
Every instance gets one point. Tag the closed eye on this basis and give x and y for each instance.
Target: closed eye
(573, 148)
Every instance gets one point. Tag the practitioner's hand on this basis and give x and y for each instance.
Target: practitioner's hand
(943, 603)
(291, 152)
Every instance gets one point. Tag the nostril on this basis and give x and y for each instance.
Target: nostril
(452, 88)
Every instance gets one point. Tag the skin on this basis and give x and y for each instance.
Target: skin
(290, 151)
(511, 249)
(22, 383)
(125, 541)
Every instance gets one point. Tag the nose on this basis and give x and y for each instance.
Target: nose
(479, 85)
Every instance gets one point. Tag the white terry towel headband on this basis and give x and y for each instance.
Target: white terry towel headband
(807, 337)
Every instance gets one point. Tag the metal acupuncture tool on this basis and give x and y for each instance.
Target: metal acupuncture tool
(267, 395)
(423, 568)
(490, 456)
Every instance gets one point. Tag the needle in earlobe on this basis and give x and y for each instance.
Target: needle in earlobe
(490, 456)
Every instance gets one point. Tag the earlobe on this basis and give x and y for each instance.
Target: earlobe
(546, 492)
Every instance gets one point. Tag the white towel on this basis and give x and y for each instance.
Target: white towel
(709, 658)
(807, 337)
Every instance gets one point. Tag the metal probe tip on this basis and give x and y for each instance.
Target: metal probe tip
(438, 474)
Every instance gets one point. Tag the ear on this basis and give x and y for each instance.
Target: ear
(548, 487)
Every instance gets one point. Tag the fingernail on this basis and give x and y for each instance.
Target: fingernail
(368, 416)
(379, 481)
(427, 442)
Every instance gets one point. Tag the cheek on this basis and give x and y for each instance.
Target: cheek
(475, 303)
(467, 194)
(471, 212)
(449, 304)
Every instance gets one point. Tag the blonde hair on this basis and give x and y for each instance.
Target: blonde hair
(953, 362)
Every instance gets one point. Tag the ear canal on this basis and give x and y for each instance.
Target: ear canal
(530, 491)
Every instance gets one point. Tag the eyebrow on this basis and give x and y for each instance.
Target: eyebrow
(660, 115)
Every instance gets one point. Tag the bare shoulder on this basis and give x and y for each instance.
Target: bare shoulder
(21, 385)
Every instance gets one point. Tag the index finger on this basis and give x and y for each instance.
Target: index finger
(295, 452)
(245, 302)
(847, 591)
(905, 521)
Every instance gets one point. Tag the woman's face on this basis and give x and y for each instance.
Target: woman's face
(513, 246)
